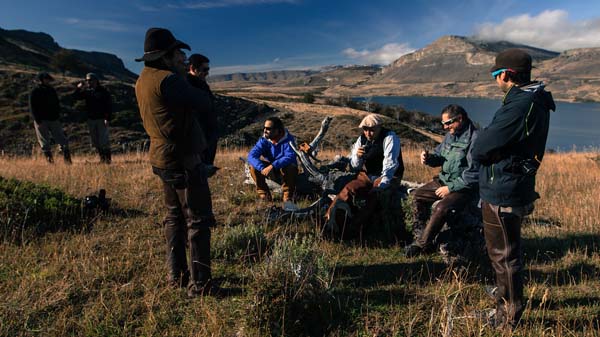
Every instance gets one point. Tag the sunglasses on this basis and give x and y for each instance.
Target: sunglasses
(368, 128)
(450, 121)
(205, 70)
(500, 71)
(267, 128)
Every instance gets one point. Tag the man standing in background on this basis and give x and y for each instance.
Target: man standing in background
(196, 76)
(45, 109)
(510, 151)
(98, 107)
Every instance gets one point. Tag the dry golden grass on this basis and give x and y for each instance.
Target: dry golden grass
(110, 280)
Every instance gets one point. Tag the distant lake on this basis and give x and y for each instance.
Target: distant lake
(572, 125)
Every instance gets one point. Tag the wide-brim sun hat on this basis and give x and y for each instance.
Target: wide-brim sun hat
(158, 42)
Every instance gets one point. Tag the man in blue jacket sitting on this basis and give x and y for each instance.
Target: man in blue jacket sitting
(278, 158)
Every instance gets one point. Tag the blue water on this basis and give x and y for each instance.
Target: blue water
(573, 126)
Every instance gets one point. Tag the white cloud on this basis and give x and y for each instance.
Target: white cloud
(551, 29)
(384, 55)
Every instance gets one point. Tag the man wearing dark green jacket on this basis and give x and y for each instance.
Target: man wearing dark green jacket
(510, 151)
(456, 184)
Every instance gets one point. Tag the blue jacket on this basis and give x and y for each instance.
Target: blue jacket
(279, 155)
(517, 134)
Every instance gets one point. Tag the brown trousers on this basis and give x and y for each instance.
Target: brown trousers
(355, 193)
(502, 232)
(423, 198)
(288, 175)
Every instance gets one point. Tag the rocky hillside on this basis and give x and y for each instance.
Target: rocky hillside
(40, 51)
(450, 59)
(450, 66)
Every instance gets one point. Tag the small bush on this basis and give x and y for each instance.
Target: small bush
(291, 291)
(241, 243)
(28, 210)
(308, 98)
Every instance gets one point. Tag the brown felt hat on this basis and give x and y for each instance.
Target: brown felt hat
(158, 42)
(515, 59)
(371, 121)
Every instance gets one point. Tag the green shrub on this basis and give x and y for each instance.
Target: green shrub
(291, 291)
(28, 210)
(241, 243)
(308, 98)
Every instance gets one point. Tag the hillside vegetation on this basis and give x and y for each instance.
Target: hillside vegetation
(285, 279)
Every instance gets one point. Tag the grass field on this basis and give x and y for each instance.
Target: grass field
(109, 279)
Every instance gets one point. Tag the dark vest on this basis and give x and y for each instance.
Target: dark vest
(373, 157)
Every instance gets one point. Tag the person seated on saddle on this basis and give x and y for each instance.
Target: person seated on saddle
(278, 158)
(377, 156)
(455, 186)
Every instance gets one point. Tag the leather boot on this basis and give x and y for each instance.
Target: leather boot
(503, 240)
(49, 157)
(200, 271)
(178, 274)
(420, 214)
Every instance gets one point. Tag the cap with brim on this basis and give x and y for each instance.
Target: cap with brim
(370, 121)
(158, 42)
(514, 59)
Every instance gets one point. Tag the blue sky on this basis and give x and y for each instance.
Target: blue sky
(259, 35)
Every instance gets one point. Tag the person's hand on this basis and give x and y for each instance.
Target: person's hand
(265, 172)
(442, 191)
(424, 155)
(106, 122)
(80, 85)
(360, 152)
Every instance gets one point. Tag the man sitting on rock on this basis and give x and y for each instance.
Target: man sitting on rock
(273, 156)
(456, 185)
(377, 157)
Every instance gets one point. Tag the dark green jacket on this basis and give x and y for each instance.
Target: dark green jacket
(459, 171)
(517, 133)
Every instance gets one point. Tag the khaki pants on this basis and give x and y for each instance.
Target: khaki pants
(98, 133)
(48, 130)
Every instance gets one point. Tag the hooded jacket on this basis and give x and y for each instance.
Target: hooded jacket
(517, 134)
(279, 154)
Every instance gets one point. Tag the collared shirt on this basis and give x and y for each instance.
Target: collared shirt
(391, 152)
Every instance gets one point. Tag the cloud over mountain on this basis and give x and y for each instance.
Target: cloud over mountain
(551, 29)
(384, 55)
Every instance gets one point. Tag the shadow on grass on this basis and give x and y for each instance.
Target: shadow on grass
(574, 274)
(549, 249)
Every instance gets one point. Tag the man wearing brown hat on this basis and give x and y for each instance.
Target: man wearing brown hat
(169, 108)
(510, 151)
(45, 109)
(377, 157)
